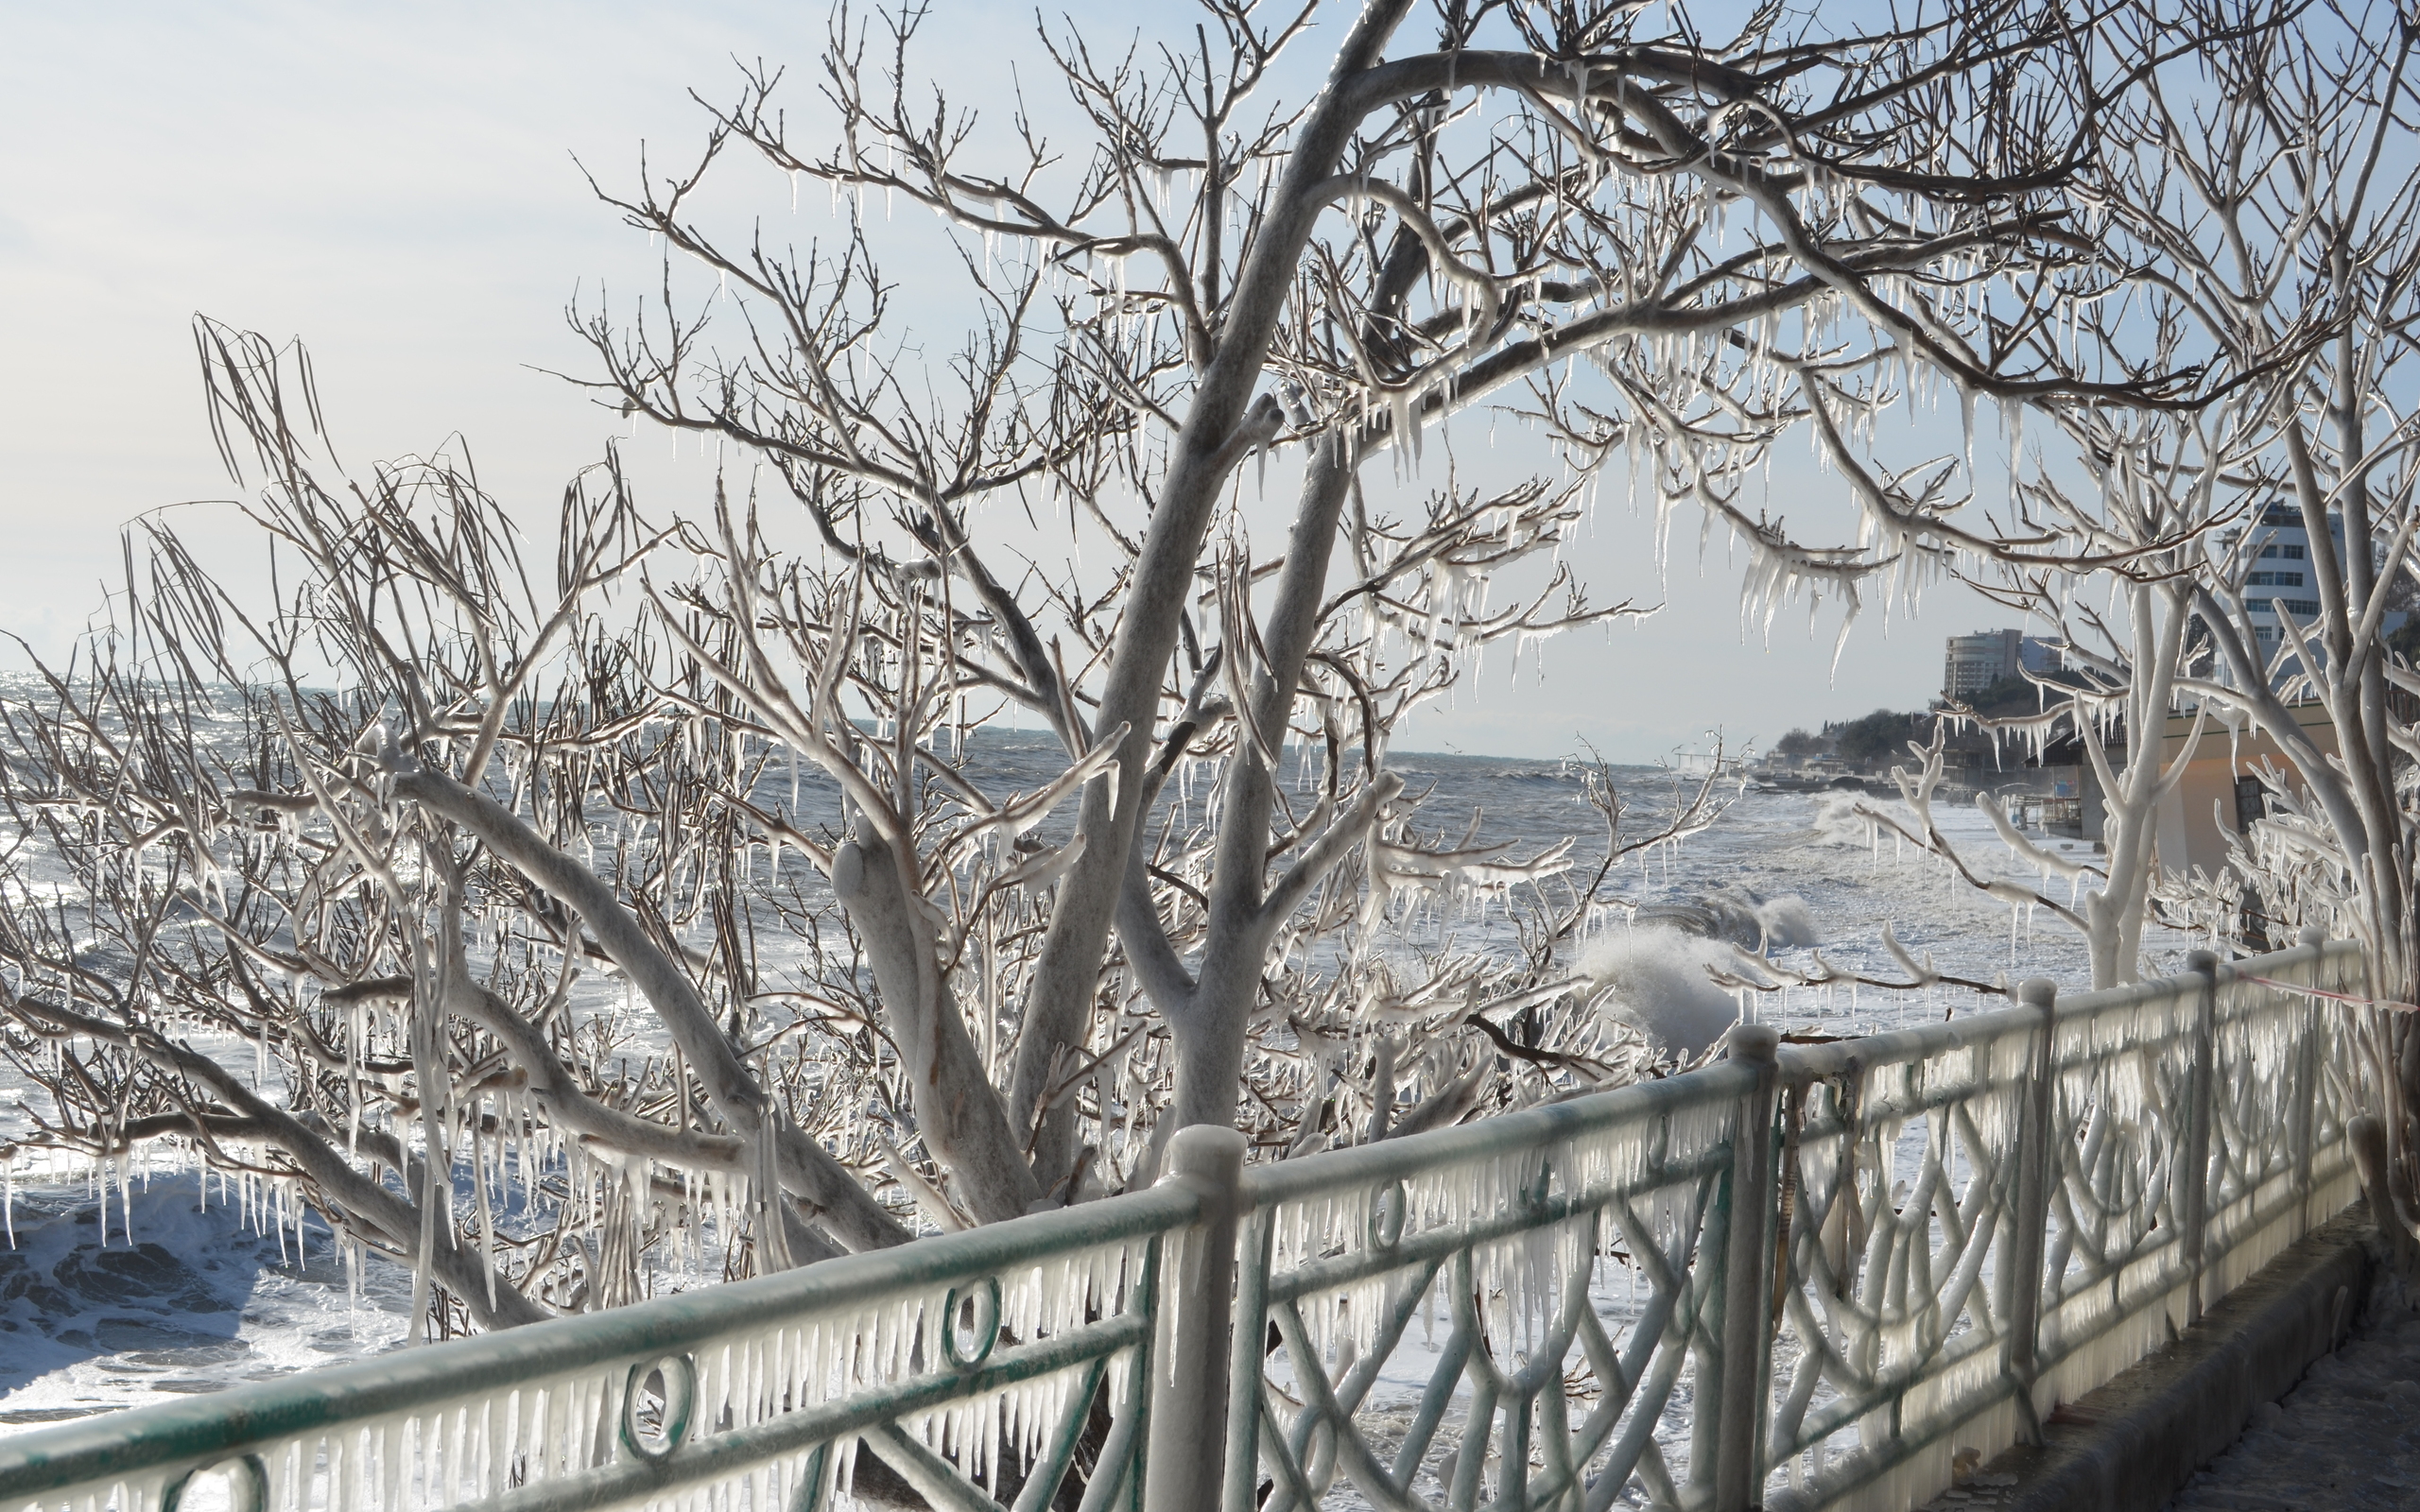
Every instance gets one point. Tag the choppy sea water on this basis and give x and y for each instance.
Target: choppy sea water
(188, 1287)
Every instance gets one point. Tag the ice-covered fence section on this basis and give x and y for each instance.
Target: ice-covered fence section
(1987, 1217)
(972, 1364)
(1817, 1276)
(1513, 1314)
(1900, 1184)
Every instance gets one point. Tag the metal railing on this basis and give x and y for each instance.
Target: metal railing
(732, 1396)
(2086, 1177)
(1925, 1241)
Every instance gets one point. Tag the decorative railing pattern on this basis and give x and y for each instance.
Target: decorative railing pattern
(1495, 1231)
(1812, 1277)
(1993, 1216)
(933, 1355)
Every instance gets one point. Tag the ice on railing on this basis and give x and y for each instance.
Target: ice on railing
(1897, 1180)
(132, 1493)
(1898, 1222)
(570, 1425)
(1521, 1277)
(440, 1455)
(1880, 1321)
(2116, 1283)
(2120, 1061)
(2283, 1063)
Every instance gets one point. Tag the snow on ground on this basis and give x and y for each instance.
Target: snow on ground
(2347, 1438)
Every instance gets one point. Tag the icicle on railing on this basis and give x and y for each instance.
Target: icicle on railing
(1521, 1275)
(568, 1426)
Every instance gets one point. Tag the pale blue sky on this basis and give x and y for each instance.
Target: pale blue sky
(396, 185)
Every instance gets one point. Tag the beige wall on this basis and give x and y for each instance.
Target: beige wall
(2197, 818)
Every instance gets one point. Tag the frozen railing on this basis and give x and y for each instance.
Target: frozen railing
(1926, 1241)
(1500, 1227)
(1953, 1229)
(1993, 1216)
(935, 1355)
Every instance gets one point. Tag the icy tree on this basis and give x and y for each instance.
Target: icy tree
(584, 916)
(280, 867)
(2268, 201)
(2276, 199)
(1666, 246)
(2135, 536)
(2250, 214)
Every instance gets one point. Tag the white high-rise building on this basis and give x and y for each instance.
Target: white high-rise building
(2280, 580)
(1973, 662)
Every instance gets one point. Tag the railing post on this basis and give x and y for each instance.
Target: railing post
(2037, 1177)
(2304, 1111)
(2193, 1197)
(1186, 1447)
(1747, 1293)
(1245, 1362)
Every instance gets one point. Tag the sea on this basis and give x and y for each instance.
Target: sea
(183, 1283)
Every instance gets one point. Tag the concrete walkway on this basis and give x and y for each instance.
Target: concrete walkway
(2198, 1424)
(2347, 1436)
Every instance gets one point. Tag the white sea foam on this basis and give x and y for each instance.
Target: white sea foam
(1657, 978)
(196, 1300)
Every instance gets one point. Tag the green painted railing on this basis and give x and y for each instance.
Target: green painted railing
(728, 1395)
(1925, 1241)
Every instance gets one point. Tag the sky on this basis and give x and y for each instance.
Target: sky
(397, 187)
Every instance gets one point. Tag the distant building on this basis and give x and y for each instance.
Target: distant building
(1975, 661)
(2212, 805)
(2279, 582)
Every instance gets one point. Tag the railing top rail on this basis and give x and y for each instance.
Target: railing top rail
(1366, 1165)
(1801, 1064)
(205, 1428)
(2086, 1005)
